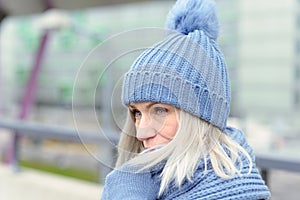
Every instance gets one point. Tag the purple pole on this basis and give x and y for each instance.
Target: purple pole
(32, 84)
(30, 91)
(28, 98)
(1, 92)
(29, 94)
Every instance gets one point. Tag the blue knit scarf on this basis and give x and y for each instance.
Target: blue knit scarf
(121, 184)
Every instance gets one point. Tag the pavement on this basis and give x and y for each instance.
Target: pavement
(35, 185)
(284, 185)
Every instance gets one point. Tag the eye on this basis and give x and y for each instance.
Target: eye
(161, 111)
(136, 113)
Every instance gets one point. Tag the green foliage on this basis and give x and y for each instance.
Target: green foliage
(73, 172)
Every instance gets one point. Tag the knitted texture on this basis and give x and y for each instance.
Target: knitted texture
(187, 68)
(125, 184)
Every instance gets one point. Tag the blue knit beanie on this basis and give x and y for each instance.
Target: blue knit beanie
(186, 69)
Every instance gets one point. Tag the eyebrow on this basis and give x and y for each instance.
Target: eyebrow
(147, 106)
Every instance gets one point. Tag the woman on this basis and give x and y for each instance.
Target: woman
(176, 144)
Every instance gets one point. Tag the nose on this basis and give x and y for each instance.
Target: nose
(144, 121)
(145, 129)
(143, 134)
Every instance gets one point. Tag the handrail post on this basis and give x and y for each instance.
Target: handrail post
(265, 175)
(107, 161)
(15, 153)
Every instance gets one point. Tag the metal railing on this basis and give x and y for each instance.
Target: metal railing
(264, 162)
(42, 131)
(268, 162)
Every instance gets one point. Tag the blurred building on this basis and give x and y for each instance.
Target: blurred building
(269, 57)
(229, 17)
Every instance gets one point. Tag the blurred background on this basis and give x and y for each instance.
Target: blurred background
(43, 51)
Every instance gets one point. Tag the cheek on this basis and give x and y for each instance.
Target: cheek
(170, 129)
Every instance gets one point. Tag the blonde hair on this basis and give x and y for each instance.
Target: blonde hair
(200, 140)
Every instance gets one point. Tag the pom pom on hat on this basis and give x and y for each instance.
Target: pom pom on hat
(189, 15)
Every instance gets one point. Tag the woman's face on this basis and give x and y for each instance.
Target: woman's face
(156, 123)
